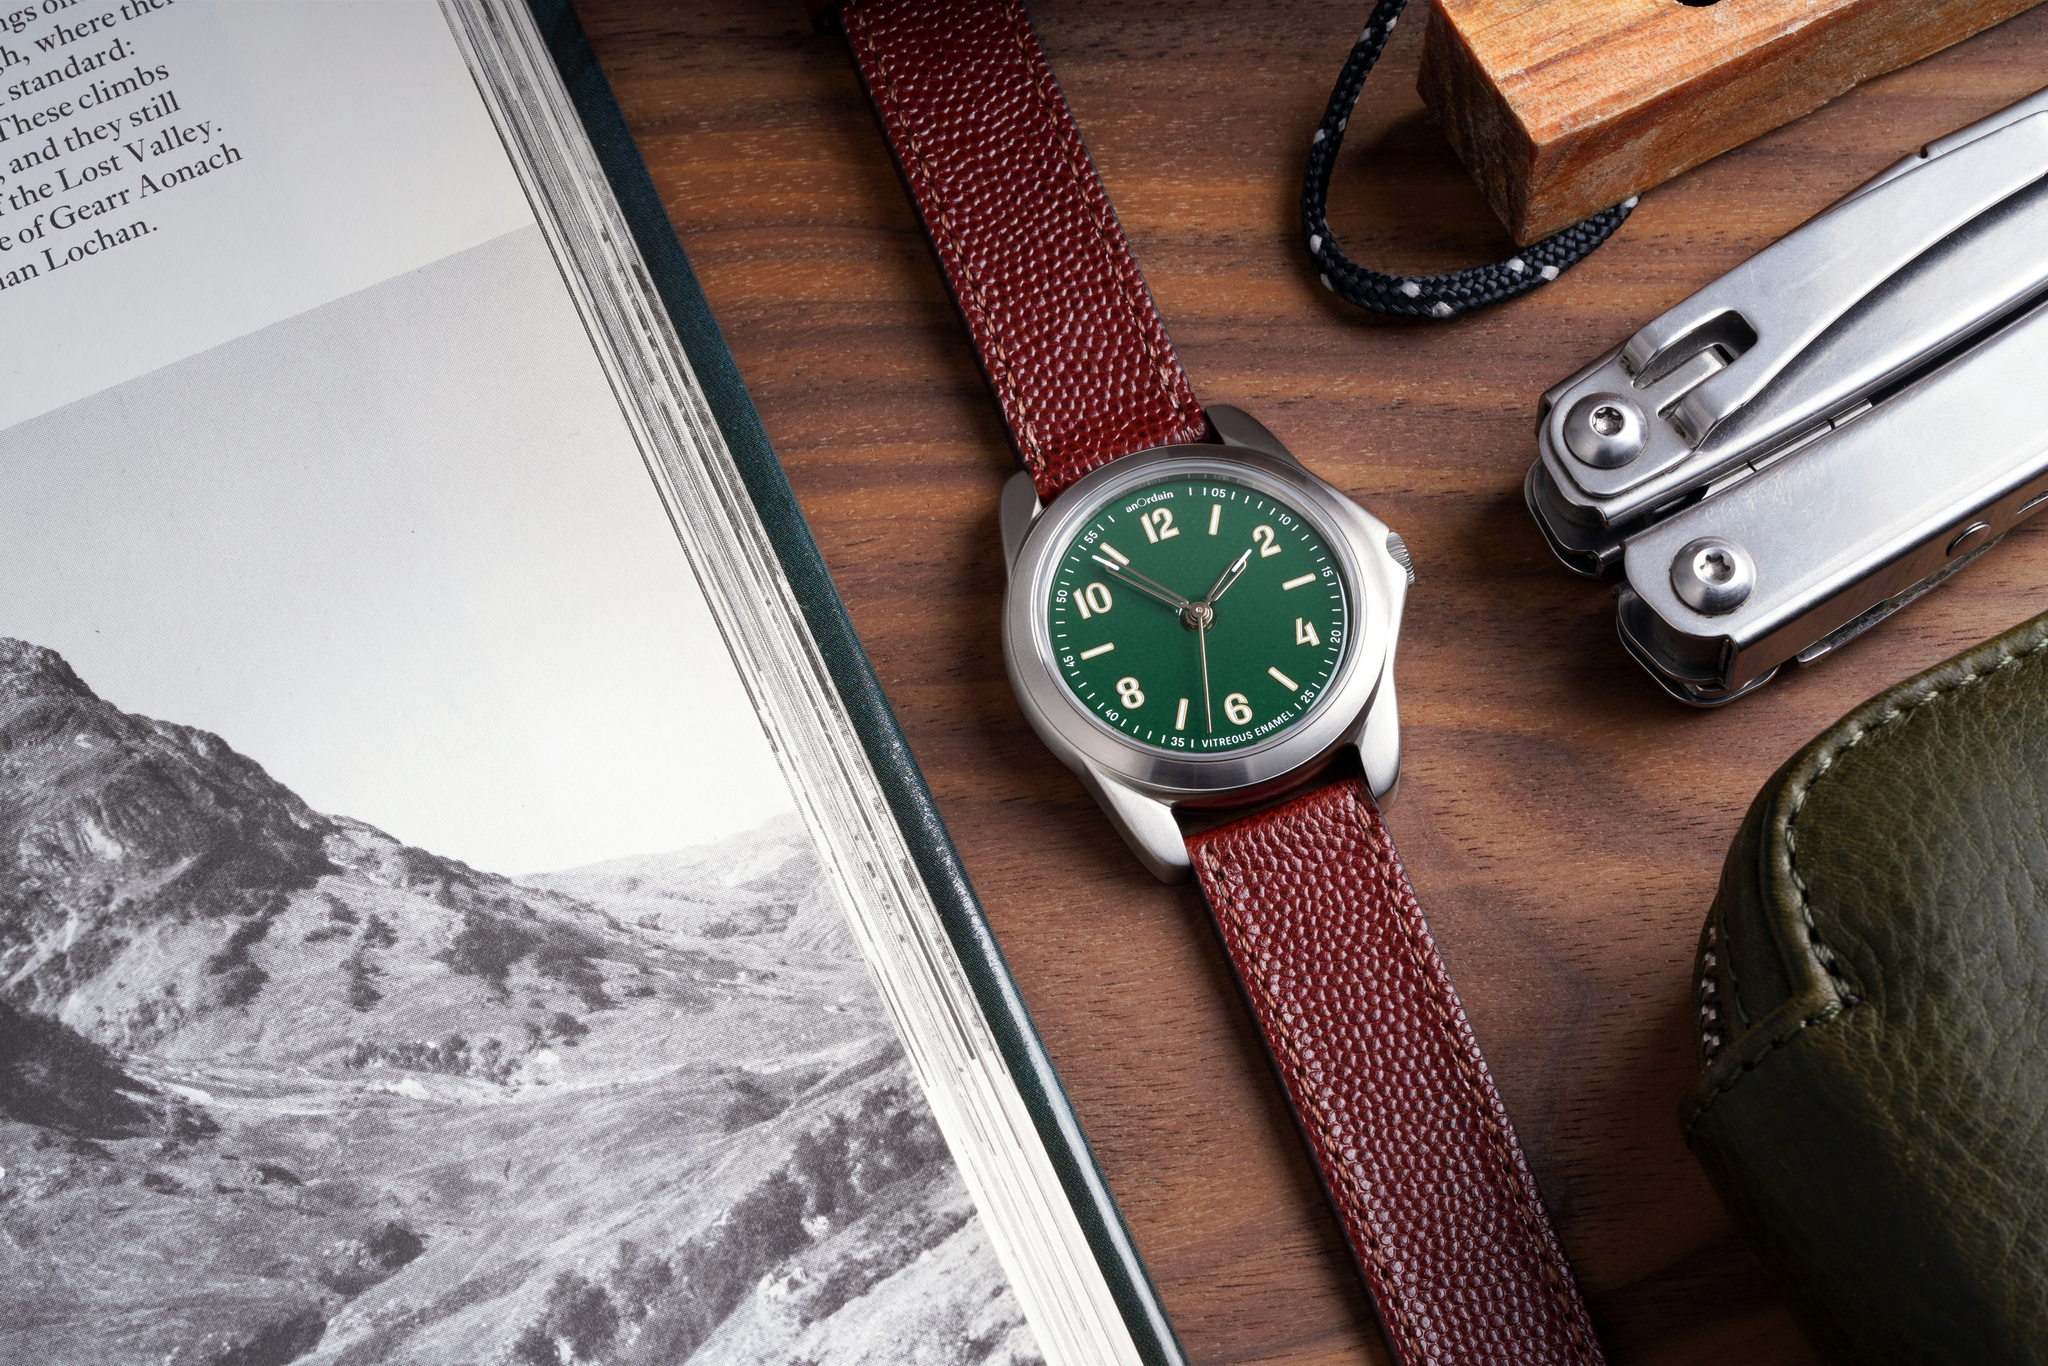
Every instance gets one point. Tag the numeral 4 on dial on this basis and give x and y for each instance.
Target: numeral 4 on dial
(1305, 633)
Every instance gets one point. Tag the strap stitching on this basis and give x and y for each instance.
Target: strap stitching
(1891, 717)
(856, 23)
(1057, 110)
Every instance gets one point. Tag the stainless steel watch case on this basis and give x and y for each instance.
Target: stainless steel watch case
(1139, 787)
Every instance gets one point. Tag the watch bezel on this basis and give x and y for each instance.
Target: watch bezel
(1373, 585)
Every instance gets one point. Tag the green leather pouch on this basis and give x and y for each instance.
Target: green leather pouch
(1872, 1102)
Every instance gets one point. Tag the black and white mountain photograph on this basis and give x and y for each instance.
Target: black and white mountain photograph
(409, 950)
(275, 1086)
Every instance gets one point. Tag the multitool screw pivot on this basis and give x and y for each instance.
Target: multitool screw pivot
(1712, 575)
(1605, 430)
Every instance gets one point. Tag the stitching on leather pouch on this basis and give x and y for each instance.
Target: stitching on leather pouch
(1066, 135)
(855, 21)
(1707, 994)
(1497, 1139)
(1734, 979)
(1225, 902)
(1893, 717)
(1821, 1016)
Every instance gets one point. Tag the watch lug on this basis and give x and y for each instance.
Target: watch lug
(1378, 739)
(1236, 427)
(1378, 736)
(1379, 749)
(1017, 511)
(1146, 823)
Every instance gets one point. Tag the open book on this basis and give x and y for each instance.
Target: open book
(462, 897)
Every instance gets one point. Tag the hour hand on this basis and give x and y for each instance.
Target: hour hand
(1125, 574)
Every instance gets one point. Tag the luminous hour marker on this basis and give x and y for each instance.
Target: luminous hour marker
(1296, 583)
(1215, 516)
(1285, 681)
(1105, 649)
(1180, 718)
(1115, 554)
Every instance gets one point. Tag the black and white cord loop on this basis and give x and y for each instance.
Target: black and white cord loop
(1421, 296)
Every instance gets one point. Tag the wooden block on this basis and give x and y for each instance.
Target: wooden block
(1562, 107)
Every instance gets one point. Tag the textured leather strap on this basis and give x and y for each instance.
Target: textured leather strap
(1030, 247)
(1387, 1082)
(1373, 1047)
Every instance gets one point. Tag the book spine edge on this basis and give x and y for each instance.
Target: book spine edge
(910, 800)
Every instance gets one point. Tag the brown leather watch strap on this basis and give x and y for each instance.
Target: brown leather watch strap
(1399, 1110)
(1371, 1043)
(1030, 247)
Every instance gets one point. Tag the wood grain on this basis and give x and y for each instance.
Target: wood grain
(1563, 823)
(1562, 107)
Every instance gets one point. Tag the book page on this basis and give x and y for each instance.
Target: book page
(408, 950)
(221, 166)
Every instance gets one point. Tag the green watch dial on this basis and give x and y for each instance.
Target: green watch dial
(1197, 615)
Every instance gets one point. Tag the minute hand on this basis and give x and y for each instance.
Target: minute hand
(1143, 584)
(1229, 577)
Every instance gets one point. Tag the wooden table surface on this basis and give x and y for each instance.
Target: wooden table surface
(1563, 823)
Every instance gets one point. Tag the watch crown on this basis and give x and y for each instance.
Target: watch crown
(1398, 548)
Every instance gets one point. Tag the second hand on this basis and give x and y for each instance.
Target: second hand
(1206, 613)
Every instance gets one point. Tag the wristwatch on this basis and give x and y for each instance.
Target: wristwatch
(1196, 624)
